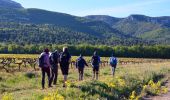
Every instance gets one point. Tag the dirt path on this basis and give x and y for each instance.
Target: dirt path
(163, 96)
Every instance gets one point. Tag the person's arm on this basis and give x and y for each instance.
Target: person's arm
(39, 60)
(76, 64)
(69, 58)
(91, 60)
(58, 58)
(48, 61)
(41, 54)
(99, 59)
(109, 61)
(85, 62)
(116, 61)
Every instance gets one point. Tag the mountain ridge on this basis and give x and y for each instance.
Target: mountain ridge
(134, 29)
(9, 4)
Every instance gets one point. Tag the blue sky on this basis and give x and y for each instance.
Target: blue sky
(116, 8)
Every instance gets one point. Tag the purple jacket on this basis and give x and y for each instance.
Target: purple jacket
(46, 59)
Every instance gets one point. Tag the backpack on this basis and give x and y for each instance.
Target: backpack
(41, 61)
(113, 61)
(53, 58)
(95, 60)
(64, 58)
(80, 62)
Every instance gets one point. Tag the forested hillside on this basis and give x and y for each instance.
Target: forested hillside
(140, 26)
(35, 26)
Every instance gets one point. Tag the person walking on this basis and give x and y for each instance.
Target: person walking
(65, 59)
(44, 64)
(80, 64)
(95, 61)
(113, 63)
(54, 60)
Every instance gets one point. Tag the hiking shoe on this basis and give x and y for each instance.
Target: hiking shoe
(64, 85)
(50, 86)
(42, 88)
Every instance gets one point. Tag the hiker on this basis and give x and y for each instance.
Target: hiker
(54, 60)
(95, 61)
(113, 63)
(65, 59)
(44, 64)
(80, 64)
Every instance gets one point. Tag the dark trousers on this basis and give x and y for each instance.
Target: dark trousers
(81, 72)
(45, 70)
(96, 69)
(54, 74)
(113, 68)
(64, 68)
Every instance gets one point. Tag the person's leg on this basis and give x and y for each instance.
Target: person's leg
(97, 72)
(113, 70)
(65, 80)
(82, 73)
(52, 76)
(97, 75)
(79, 71)
(55, 74)
(65, 73)
(43, 78)
(49, 76)
(94, 71)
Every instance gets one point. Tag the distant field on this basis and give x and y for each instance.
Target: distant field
(19, 55)
(74, 57)
(11, 62)
(35, 56)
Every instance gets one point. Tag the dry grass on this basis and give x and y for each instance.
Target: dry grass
(26, 88)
